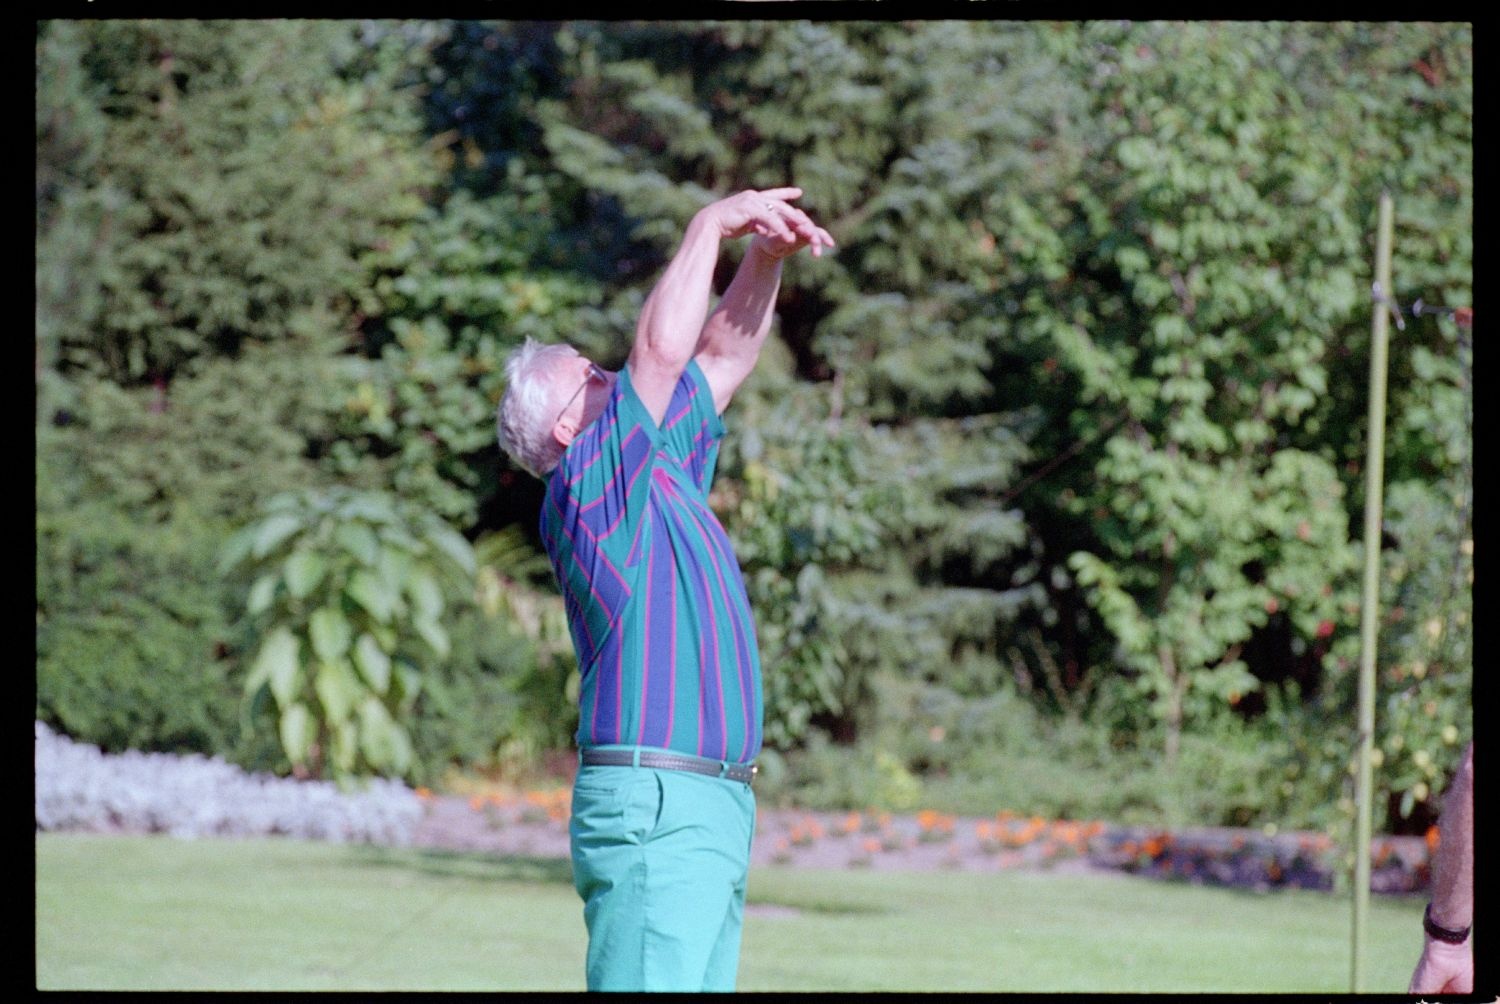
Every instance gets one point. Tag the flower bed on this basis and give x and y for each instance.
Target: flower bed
(1227, 857)
(80, 788)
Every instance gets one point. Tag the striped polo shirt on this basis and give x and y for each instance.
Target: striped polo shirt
(655, 600)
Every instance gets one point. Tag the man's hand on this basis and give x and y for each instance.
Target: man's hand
(780, 228)
(1444, 969)
(731, 341)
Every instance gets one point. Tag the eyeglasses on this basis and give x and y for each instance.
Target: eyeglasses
(595, 375)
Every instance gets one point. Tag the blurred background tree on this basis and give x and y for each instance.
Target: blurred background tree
(1045, 488)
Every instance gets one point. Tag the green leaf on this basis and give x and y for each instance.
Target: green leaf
(407, 685)
(303, 571)
(236, 548)
(383, 742)
(359, 540)
(368, 506)
(272, 532)
(454, 545)
(386, 635)
(277, 665)
(374, 594)
(432, 632)
(394, 567)
(402, 752)
(251, 709)
(330, 632)
(425, 594)
(344, 740)
(297, 732)
(373, 663)
(338, 689)
(396, 538)
(262, 594)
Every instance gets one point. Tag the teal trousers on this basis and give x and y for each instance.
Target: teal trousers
(661, 858)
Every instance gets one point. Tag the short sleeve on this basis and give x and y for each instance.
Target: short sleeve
(601, 485)
(691, 430)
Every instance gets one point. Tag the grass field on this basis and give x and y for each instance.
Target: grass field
(153, 913)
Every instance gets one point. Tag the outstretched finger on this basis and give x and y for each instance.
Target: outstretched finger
(816, 234)
(781, 193)
(805, 227)
(772, 225)
(785, 219)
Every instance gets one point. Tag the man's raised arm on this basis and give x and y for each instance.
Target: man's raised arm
(672, 319)
(731, 340)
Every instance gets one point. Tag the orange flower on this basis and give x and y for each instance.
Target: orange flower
(927, 819)
(477, 803)
(1066, 832)
(871, 845)
(1432, 839)
(424, 793)
(1027, 833)
(851, 823)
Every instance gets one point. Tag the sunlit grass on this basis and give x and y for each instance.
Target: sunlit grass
(153, 913)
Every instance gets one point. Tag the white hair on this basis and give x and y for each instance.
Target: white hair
(527, 412)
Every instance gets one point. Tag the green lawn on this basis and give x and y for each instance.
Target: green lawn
(153, 913)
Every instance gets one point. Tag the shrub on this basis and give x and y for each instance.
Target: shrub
(131, 625)
(349, 593)
(495, 703)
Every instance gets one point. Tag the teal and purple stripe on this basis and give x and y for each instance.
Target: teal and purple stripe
(654, 595)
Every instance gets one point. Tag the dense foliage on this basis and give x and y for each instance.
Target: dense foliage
(350, 592)
(1062, 450)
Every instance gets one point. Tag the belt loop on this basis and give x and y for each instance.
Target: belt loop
(723, 768)
(635, 760)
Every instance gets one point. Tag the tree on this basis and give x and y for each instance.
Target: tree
(207, 192)
(661, 119)
(1215, 330)
(234, 175)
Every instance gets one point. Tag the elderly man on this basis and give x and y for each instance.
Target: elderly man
(670, 703)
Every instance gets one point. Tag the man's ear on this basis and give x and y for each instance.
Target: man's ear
(563, 431)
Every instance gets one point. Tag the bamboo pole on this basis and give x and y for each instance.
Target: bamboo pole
(1370, 599)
